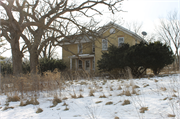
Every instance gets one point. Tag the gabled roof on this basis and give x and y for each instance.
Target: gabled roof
(81, 38)
(120, 28)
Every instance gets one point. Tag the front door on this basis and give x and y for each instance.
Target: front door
(87, 65)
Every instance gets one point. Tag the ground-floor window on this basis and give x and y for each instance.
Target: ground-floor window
(80, 64)
(87, 64)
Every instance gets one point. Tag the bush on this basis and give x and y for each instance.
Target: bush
(46, 64)
(6, 68)
(138, 57)
(114, 58)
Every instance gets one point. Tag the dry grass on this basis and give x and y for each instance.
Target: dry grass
(91, 92)
(119, 87)
(126, 92)
(116, 118)
(102, 96)
(98, 102)
(109, 103)
(171, 115)
(52, 81)
(66, 109)
(126, 102)
(65, 104)
(64, 98)
(143, 109)
(55, 101)
(6, 108)
(73, 95)
(14, 98)
(146, 85)
(80, 96)
(39, 110)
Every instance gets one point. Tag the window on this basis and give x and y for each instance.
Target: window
(93, 64)
(135, 41)
(93, 47)
(120, 41)
(80, 48)
(80, 64)
(104, 44)
(87, 64)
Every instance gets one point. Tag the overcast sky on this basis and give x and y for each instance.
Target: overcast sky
(146, 11)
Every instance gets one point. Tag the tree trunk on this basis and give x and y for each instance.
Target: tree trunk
(33, 60)
(16, 57)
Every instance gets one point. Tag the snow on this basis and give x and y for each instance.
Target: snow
(152, 96)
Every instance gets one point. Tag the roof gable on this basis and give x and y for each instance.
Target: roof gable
(120, 28)
(81, 38)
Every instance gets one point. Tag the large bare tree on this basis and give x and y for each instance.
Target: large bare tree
(59, 19)
(169, 31)
(37, 17)
(12, 26)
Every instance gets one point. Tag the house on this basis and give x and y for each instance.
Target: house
(82, 52)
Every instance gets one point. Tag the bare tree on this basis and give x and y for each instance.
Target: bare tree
(135, 27)
(169, 32)
(2, 46)
(60, 16)
(12, 26)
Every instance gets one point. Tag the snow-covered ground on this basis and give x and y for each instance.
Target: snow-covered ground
(159, 96)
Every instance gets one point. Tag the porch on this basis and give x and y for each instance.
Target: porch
(83, 61)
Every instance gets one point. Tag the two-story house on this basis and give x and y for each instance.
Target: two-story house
(83, 53)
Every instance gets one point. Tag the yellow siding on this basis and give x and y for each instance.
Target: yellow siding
(72, 49)
(112, 39)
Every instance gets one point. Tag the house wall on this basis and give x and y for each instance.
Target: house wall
(112, 39)
(72, 49)
(87, 47)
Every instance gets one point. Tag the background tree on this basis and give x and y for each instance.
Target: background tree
(135, 27)
(169, 32)
(2, 46)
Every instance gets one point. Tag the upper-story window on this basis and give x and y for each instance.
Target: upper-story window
(93, 47)
(80, 49)
(104, 44)
(120, 41)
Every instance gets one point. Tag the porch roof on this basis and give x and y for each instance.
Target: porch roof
(82, 56)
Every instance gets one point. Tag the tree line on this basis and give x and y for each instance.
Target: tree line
(45, 64)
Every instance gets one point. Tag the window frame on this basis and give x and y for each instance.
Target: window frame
(103, 44)
(93, 48)
(93, 64)
(119, 41)
(80, 64)
(87, 67)
(80, 48)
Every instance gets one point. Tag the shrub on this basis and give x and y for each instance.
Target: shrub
(6, 68)
(138, 57)
(46, 64)
(126, 102)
